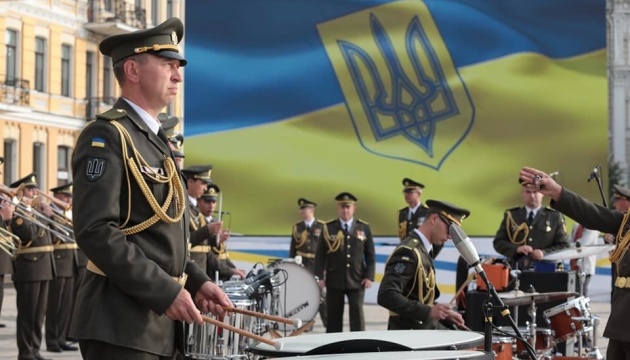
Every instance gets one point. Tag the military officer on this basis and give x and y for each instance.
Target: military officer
(408, 289)
(131, 212)
(7, 209)
(528, 232)
(345, 263)
(218, 257)
(620, 202)
(61, 291)
(176, 140)
(596, 217)
(412, 215)
(34, 268)
(197, 179)
(306, 236)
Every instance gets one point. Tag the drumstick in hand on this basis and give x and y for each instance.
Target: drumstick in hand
(245, 333)
(295, 322)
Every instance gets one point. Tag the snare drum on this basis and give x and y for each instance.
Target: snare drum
(208, 341)
(370, 341)
(299, 296)
(564, 319)
(544, 339)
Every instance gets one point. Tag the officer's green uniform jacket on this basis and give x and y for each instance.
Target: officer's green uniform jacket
(126, 307)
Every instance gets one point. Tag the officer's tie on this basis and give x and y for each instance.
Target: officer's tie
(345, 228)
(530, 217)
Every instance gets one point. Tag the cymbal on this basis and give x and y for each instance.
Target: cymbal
(518, 298)
(578, 252)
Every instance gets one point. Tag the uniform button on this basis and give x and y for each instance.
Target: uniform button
(530, 240)
(348, 256)
(34, 257)
(348, 246)
(348, 265)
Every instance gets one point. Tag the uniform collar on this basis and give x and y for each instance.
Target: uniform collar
(349, 223)
(192, 201)
(536, 210)
(152, 123)
(309, 223)
(427, 244)
(414, 209)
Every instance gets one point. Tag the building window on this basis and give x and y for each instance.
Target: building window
(109, 5)
(12, 61)
(169, 9)
(89, 74)
(10, 160)
(108, 78)
(155, 12)
(66, 58)
(40, 60)
(63, 164)
(39, 163)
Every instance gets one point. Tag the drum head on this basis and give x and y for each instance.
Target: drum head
(370, 341)
(405, 355)
(298, 297)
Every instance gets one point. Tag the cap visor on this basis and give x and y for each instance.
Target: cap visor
(172, 55)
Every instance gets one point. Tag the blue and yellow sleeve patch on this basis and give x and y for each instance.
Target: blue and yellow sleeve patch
(98, 142)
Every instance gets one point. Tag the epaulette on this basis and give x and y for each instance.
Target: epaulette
(424, 205)
(551, 209)
(409, 244)
(320, 222)
(297, 223)
(331, 221)
(112, 114)
(363, 222)
(514, 208)
(403, 209)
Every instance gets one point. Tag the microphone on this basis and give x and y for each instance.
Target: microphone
(593, 174)
(554, 174)
(252, 289)
(465, 248)
(258, 277)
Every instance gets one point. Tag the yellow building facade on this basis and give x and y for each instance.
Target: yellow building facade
(53, 79)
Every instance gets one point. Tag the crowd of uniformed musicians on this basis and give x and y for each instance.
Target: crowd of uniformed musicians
(339, 252)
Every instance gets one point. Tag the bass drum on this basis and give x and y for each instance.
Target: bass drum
(295, 293)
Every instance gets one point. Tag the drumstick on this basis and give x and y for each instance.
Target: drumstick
(295, 322)
(245, 333)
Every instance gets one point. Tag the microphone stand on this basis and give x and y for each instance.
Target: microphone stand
(505, 312)
(599, 185)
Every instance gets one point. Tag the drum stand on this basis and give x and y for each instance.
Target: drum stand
(594, 353)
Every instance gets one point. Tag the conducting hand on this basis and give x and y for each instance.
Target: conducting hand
(183, 309)
(211, 298)
(541, 182)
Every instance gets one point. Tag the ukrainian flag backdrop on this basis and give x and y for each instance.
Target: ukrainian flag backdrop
(309, 98)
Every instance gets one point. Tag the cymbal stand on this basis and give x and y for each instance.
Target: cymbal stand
(531, 311)
(517, 285)
(580, 274)
(595, 353)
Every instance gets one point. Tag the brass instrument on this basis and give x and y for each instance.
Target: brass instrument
(61, 204)
(27, 209)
